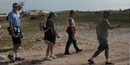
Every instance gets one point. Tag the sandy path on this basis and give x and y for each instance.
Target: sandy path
(119, 40)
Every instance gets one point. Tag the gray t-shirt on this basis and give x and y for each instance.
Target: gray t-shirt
(52, 23)
(102, 28)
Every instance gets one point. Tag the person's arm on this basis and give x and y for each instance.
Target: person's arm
(11, 30)
(97, 32)
(113, 27)
(21, 14)
(53, 29)
(21, 31)
(109, 25)
(71, 27)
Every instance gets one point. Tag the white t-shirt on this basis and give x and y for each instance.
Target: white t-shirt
(73, 23)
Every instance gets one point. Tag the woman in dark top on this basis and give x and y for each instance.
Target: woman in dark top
(50, 36)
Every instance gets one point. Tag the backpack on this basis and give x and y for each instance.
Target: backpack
(43, 26)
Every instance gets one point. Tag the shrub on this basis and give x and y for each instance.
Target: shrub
(34, 17)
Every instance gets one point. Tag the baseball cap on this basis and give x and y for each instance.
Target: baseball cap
(52, 13)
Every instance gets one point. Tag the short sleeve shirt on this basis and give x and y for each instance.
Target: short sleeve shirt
(52, 23)
(102, 27)
(14, 18)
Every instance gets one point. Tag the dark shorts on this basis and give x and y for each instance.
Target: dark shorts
(103, 44)
(16, 40)
(50, 36)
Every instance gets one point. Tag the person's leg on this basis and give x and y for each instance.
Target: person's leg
(107, 55)
(51, 49)
(15, 49)
(75, 44)
(67, 46)
(52, 55)
(68, 43)
(48, 49)
(94, 55)
(97, 53)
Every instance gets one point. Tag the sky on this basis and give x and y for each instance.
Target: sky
(61, 5)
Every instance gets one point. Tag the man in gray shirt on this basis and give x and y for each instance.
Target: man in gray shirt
(102, 34)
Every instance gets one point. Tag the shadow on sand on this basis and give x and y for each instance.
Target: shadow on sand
(31, 62)
(5, 50)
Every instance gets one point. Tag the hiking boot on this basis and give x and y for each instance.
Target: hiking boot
(11, 58)
(90, 61)
(2, 57)
(79, 50)
(48, 58)
(19, 59)
(53, 56)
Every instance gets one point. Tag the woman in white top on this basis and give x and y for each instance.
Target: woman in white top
(71, 33)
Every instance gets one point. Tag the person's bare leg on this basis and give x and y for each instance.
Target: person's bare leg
(51, 48)
(48, 49)
(97, 53)
(15, 49)
(107, 55)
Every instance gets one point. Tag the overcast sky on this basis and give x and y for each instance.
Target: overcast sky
(60, 5)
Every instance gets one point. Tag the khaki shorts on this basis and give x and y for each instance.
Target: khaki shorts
(46, 41)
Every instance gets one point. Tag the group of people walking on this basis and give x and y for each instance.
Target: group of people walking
(51, 34)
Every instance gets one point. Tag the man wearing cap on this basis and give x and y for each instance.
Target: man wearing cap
(102, 34)
(16, 32)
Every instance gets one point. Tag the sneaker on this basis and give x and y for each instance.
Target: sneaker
(90, 61)
(48, 58)
(53, 56)
(19, 59)
(11, 58)
(2, 57)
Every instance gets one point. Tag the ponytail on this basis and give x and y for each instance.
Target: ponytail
(48, 17)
